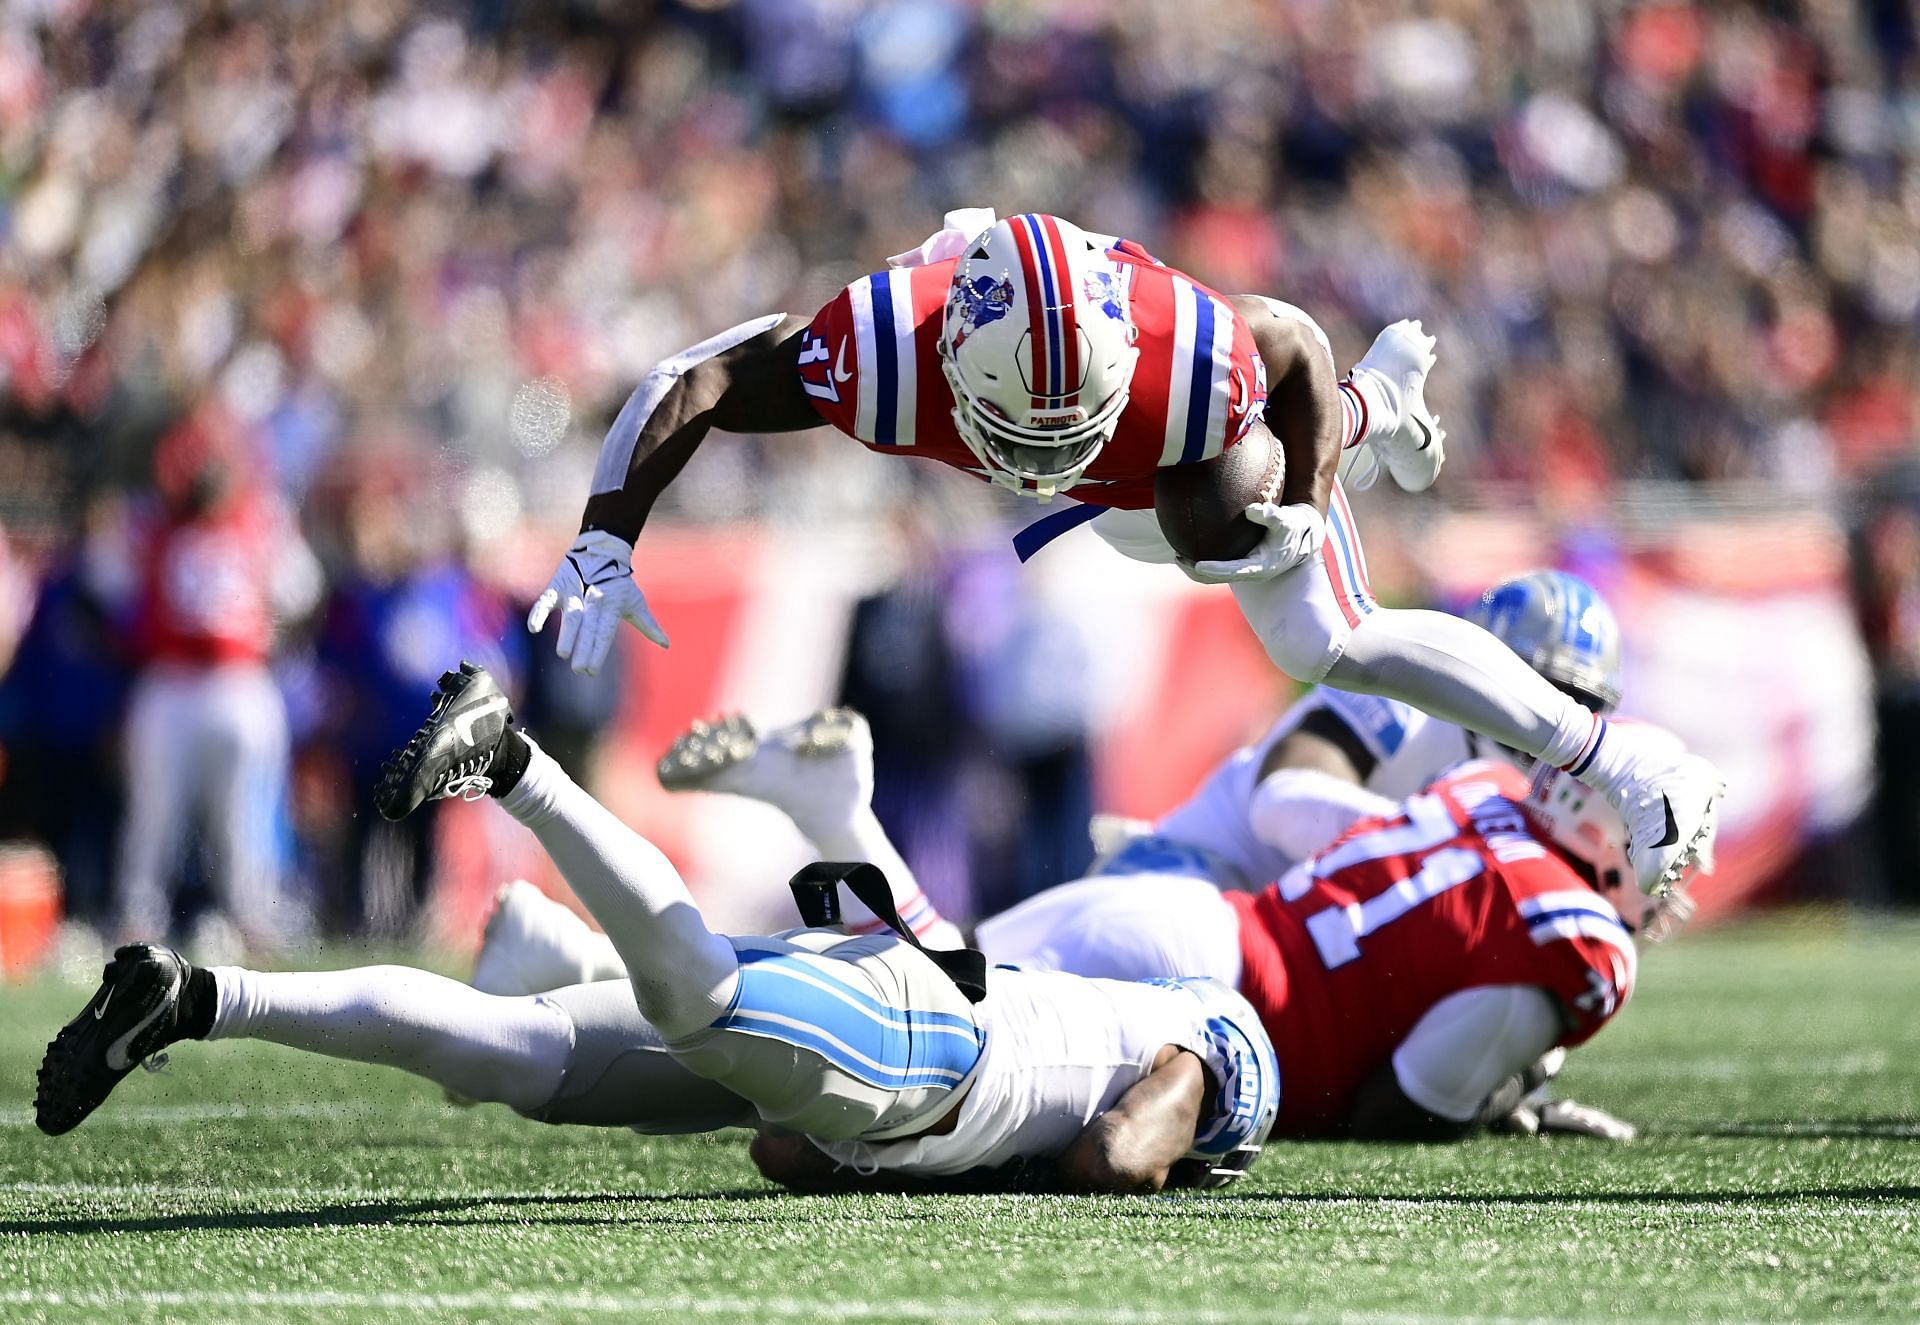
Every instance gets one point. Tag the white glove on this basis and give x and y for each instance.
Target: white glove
(1574, 1119)
(1294, 534)
(595, 591)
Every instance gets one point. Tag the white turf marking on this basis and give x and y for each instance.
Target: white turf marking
(1751, 1206)
(780, 1308)
(1870, 1062)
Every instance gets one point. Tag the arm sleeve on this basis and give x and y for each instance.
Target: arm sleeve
(1470, 1042)
(1298, 811)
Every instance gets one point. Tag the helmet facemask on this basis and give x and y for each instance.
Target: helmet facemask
(1578, 821)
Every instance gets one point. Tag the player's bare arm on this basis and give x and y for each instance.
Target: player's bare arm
(743, 380)
(1322, 743)
(749, 388)
(1303, 403)
(1135, 1145)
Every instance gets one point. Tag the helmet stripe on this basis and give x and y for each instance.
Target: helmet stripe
(1049, 296)
(1069, 379)
(1036, 328)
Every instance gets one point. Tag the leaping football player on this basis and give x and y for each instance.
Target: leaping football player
(1051, 361)
(887, 1057)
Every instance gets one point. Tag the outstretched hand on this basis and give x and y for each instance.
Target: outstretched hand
(595, 592)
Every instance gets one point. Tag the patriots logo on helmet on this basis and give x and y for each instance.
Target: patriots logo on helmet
(1104, 292)
(982, 300)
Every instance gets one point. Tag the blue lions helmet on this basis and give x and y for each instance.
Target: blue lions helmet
(1563, 628)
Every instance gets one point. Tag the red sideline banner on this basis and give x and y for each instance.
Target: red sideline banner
(1747, 652)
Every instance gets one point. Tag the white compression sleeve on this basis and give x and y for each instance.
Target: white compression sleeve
(1470, 1042)
(1454, 670)
(1300, 810)
(510, 1050)
(683, 974)
(616, 452)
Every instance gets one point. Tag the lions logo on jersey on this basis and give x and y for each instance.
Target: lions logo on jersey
(983, 300)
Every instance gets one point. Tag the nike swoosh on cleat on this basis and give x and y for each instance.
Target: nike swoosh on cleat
(1673, 829)
(117, 1051)
(101, 1011)
(1426, 433)
(463, 722)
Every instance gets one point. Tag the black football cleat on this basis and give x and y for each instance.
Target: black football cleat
(452, 754)
(133, 1015)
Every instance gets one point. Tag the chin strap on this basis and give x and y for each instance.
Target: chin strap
(816, 892)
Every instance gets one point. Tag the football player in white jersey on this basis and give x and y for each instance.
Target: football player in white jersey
(888, 1058)
(1332, 759)
(1232, 831)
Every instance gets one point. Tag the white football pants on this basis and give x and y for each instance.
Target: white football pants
(210, 741)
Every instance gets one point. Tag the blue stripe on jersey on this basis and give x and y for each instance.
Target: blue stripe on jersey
(886, 350)
(891, 1047)
(795, 968)
(1201, 384)
(1596, 913)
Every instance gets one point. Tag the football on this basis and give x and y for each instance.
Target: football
(1201, 506)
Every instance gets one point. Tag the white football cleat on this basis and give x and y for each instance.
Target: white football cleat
(533, 944)
(1668, 803)
(1403, 355)
(818, 771)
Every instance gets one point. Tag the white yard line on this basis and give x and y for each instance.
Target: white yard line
(782, 1308)
(1750, 1206)
(1871, 1062)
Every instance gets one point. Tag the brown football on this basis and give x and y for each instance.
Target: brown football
(1202, 505)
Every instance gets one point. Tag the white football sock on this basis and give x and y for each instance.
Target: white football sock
(863, 838)
(1369, 407)
(510, 1050)
(1454, 670)
(683, 974)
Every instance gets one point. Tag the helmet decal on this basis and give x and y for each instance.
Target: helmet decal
(977, 302)
(1105, 292)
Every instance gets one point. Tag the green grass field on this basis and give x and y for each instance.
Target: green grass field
(1775, 1067)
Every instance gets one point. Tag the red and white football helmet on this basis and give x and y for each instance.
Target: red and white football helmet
(1579, 821)
(1037, 344)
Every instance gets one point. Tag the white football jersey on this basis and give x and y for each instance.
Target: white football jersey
(1410, 750)
(1062, 1049)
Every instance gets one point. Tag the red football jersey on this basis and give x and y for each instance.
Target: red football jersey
(207, 596)
(1345, 955)
(871, 364)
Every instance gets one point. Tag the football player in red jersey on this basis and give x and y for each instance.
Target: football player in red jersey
(1412, 975)
(1049, 360)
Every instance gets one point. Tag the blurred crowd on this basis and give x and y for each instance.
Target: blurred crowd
(393, 266)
